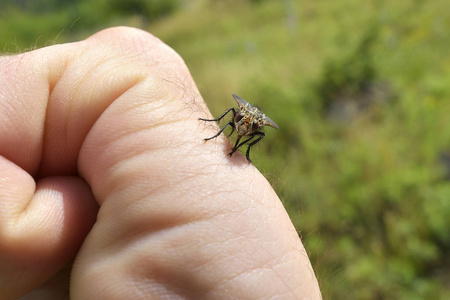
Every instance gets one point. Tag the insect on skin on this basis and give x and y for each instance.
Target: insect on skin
(247, 120)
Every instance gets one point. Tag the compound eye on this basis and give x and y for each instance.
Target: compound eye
(255, 126)
(238, 117)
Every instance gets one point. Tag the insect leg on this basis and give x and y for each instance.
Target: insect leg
(221, 117)
(236, 146)
(246, 141)
(220, 131)
(261, 136)
(232, 129)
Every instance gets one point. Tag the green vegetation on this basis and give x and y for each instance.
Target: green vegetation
(361, 93)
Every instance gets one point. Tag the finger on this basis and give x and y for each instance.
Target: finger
(40, 226)
(48, 103)
(178, 218)
(43, 221)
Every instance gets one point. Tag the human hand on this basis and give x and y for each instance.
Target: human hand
(112, 122)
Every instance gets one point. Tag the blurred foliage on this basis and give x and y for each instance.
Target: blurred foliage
(29, 24)
(360, 90)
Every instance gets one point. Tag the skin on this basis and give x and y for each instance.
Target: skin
(108, 191)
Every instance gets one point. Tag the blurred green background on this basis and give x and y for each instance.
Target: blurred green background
(361, 92)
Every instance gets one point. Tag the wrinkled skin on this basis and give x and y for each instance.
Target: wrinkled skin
(108, 191)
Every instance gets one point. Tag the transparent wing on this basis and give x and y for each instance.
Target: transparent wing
(269, 122)
(239, 100)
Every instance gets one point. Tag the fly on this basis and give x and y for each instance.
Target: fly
(248, 120)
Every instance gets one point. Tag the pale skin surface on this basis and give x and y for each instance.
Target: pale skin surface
(101, 148)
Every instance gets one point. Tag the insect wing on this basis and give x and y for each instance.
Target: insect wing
(241, 102)
(269, 122)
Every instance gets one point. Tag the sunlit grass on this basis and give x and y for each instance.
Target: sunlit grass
(353, 182)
